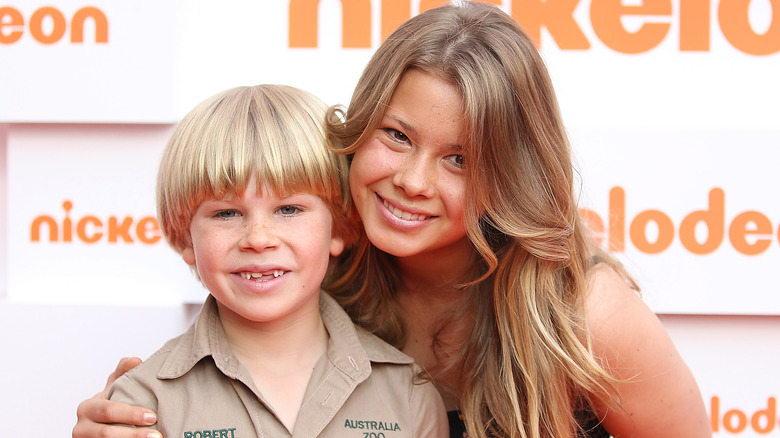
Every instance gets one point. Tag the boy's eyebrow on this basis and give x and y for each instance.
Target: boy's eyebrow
(228, 196)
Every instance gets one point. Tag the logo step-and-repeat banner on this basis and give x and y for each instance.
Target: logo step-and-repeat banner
(87, 62)
(673, 110)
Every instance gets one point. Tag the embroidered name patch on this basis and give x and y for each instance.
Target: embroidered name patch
(372, 425)
(214, 433)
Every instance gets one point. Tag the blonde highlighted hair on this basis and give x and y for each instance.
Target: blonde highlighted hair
(273, 132)
(525, 367)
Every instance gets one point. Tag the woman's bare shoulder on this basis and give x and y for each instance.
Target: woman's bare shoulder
(658, 391)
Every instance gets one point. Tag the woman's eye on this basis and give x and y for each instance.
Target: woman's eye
(396, 135)
(289, 210)
(226, 214)
(455, 159)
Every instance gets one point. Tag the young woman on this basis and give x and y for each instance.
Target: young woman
(474, 260)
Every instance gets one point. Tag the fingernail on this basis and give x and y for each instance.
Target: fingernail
(154, 435)
(151, 418)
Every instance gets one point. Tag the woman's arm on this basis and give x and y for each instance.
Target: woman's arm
(661, 394)
(95, 414)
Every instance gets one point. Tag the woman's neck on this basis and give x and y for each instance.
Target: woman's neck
(437, 275)
(433, 332)
(436, 316)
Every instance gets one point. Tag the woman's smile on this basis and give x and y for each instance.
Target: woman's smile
(405, 213)
(407, 179)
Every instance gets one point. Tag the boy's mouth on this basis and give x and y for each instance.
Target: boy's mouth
(262, 276)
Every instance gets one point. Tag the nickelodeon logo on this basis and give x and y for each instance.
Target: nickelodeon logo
(653, 231)
(48, 25)
(736, 421)
(92, 229)
(656, 17)
(650, 231)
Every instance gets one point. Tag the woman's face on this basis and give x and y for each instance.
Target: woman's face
(407, 179)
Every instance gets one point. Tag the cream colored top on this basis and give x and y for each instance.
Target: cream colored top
(361, 387)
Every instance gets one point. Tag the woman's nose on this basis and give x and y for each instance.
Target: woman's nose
(415, 177)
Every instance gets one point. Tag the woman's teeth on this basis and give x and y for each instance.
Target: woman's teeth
(259, 275)
(397, 212)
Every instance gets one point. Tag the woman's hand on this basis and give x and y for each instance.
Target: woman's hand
(99, 417)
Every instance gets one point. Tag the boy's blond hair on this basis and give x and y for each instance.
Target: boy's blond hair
(273, 132)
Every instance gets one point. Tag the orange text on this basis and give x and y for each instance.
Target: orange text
(737, 421)
(659, 17)
(749, 232)
(12, 25)
(92, 229)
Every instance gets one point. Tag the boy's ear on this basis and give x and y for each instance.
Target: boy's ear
(188, 255)
(336, 243)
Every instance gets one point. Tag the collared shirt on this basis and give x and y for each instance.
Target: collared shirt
(362, 387)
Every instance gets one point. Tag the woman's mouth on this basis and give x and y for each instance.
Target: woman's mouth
(397, 212)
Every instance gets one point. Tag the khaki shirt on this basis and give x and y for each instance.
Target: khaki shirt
(362, 387)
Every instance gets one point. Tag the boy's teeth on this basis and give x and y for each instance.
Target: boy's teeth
(259, 275)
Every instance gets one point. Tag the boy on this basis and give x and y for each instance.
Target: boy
(253, 200)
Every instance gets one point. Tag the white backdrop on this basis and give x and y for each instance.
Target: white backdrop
(677, 144)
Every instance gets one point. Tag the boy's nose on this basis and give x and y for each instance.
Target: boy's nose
(258, 235)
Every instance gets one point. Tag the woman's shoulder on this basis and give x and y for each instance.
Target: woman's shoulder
(610, 295)
(617, 316)
(656, 388)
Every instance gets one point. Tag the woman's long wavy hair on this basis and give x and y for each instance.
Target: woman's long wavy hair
(526, 365)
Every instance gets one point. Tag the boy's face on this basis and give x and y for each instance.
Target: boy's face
(263, 257)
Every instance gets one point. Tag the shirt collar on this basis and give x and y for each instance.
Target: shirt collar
(350, 349)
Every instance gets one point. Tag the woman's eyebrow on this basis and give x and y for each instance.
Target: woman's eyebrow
(405, 125)
(411, 130)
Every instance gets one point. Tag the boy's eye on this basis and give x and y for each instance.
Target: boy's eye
(289, 210)
(226, 214)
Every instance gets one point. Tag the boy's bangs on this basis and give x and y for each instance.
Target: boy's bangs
(285, 157)
(274, 133)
